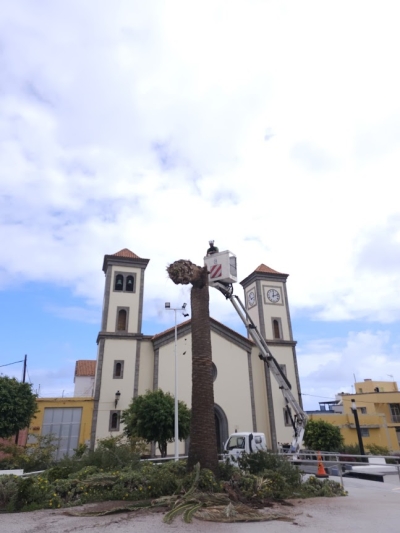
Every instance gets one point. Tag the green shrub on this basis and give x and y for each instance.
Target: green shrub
(322, 436)
(315, 487)
(36, 456)
(226, 470)
(8, 491)
(262, 462)
(110, 453)
(375, 449)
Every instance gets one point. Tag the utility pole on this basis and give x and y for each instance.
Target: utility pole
(360, 441)
(24, 371)
(23, 381)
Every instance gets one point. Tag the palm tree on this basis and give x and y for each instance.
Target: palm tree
(203, 439)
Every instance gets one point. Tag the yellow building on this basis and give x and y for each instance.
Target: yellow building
(69, 419)
(378, 408)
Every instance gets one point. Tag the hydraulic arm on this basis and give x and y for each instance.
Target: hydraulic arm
(299, 417)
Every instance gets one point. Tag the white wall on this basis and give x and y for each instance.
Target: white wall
(84, 386)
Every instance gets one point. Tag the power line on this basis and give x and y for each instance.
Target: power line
(14, 363)
(315, 396)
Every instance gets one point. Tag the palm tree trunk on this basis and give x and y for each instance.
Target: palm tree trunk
(203, 439)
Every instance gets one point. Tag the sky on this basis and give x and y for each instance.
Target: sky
(272, 127)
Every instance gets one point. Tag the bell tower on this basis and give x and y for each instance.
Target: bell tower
(267, 303)
(123, 293)
(119, 341)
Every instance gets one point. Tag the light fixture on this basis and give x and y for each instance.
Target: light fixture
(117, 395)
(167, 305)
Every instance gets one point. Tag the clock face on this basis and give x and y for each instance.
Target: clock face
(273, 296)
(251, 298)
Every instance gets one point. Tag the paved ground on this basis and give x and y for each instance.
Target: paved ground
(370, 507)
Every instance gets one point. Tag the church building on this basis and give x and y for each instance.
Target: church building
(246, 395)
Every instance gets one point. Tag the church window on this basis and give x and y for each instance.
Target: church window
(121, 323)
(286, 417)
(124, 281)
(118, 370)
(114, 421)
(129, 284)
(119, 282)
(214, 372)
(276, 328)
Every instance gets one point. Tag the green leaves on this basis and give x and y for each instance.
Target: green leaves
(17, 406)
(152, 417)
(322, 436)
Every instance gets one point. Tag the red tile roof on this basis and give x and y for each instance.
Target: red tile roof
(126, 253)
(85, 368)
(266, 269)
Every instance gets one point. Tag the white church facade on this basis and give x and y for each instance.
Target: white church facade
(246, 396)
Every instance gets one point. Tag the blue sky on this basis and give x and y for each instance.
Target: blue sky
(272, 127)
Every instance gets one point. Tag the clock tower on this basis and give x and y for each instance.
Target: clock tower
(267, 303)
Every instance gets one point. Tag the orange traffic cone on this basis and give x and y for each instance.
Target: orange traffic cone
(321, 470)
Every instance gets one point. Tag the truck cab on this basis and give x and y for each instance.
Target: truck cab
(246, 442)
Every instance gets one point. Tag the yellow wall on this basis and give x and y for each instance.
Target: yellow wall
(87, 413)
(368, 385)
(379, 432)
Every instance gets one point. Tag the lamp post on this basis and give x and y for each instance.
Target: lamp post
(360, 441)
(175, 309)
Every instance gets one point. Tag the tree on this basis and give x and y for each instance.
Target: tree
(151, 417)
(203, 439)
(322, 436)
(17, 406)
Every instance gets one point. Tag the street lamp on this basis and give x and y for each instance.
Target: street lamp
(360, 441)
(175, 309)
(117, 396)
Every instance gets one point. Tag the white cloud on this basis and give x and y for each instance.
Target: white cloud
(330, 366)
(144, 126)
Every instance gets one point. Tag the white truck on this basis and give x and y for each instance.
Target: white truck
(244, 442)
(222, 271)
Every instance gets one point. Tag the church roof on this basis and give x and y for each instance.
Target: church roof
(262, 269)
(215, 326)
(85, 367)
(166, 331)
(267, 269)
(124, 257)
(126, 253)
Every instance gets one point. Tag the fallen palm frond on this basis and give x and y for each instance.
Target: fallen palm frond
(214, 507)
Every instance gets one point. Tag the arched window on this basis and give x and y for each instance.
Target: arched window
(129, 284)
(114, 421)
(118, 370)
(121, 325)
(119, 282)
(277, 333)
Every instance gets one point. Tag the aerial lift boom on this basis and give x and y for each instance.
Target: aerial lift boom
(223, 284)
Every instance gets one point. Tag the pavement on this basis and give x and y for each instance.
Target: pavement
(370, 507)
